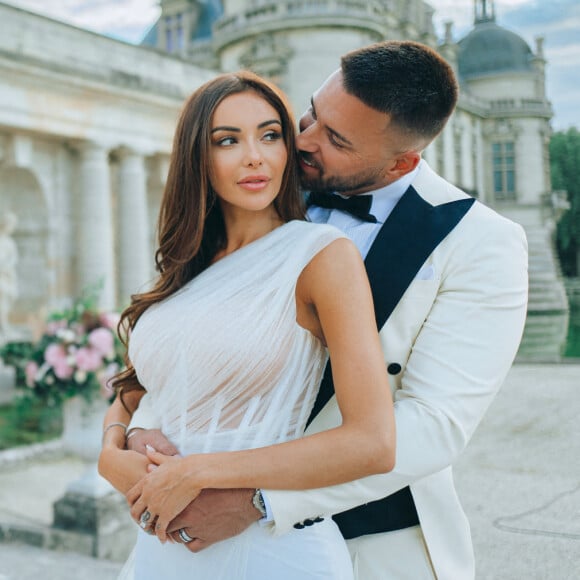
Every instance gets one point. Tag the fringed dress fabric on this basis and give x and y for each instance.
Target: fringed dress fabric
(228, 368)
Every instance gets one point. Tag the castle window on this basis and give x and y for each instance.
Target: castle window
(169, 34)
(457, 157)
(174, 37)
(504, 185)
(440, 150)
(179, 32)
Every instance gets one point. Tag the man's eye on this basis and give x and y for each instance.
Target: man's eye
(334, 142)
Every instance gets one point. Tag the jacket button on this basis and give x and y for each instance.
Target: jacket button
(394, 369)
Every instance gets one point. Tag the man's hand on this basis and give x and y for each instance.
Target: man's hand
(152, 437)
(215, 515)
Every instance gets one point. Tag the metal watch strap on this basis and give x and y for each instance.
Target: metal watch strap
(258, 502)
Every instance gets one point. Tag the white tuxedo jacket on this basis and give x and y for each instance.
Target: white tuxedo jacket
(455, 337)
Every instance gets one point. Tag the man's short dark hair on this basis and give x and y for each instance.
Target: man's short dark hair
(407, 80)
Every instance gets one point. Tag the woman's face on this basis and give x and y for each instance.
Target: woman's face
(248, 154)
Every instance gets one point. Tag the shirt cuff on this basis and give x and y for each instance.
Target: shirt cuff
(269, 517)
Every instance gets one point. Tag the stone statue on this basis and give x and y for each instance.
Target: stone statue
(8, 276)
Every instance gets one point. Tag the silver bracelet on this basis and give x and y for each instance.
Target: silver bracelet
(132, 432)
(111, 425)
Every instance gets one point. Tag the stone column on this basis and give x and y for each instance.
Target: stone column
(94, 222)
(134, 253)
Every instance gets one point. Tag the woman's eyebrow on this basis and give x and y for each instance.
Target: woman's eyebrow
(226, 128)
(270, 122)
(238, 130)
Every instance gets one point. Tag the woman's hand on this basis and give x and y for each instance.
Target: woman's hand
(164, 493)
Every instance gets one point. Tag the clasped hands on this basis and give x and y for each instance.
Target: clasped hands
(215, 515)
(164, 492)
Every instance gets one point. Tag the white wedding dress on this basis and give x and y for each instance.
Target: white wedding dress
(227, 367)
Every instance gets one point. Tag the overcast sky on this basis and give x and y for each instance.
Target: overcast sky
(557, 20)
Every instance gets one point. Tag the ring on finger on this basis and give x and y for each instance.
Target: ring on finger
(185, 537)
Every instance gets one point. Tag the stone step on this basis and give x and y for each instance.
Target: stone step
(541, 279)
(544, 282)
(544, 335)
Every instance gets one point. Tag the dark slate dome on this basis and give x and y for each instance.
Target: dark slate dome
(489, 49)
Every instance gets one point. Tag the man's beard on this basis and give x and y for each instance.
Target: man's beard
(362, 181)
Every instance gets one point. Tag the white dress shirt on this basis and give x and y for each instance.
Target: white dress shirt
(363, 233)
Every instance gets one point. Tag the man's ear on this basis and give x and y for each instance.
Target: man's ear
(403, 164)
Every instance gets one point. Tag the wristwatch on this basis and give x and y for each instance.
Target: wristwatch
(258, 502)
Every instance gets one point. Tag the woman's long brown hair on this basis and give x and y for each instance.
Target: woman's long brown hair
(191, 226)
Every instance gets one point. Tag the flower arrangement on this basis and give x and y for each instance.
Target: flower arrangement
(77, 353)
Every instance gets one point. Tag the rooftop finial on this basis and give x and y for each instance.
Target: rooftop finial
(484, 11)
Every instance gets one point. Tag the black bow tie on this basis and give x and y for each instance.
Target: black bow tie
(356, 205)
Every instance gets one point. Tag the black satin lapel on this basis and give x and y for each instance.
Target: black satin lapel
(411, 233)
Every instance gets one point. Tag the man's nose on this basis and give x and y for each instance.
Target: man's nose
(306, 139)
(305, 121)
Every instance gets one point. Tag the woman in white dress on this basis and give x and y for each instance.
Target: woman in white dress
(232, 341)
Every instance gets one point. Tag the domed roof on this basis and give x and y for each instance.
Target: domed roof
(489, 49)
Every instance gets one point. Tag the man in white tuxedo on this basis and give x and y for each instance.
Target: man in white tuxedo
(449, 280)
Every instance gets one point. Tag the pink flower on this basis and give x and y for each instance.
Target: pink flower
(102, 340)
(30, 371)
(62, 370)
(88, 359)
(55, 354)
(110, 320)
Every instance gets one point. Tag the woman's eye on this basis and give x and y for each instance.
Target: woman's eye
(225, 141)
(272, 136)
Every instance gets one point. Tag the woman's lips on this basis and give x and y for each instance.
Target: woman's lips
(254, 182)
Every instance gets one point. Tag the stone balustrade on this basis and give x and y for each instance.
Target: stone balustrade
(535, 107)
(298, 8)
(373, 16)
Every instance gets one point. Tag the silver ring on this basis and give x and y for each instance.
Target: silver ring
(145, 517)
(184, 536)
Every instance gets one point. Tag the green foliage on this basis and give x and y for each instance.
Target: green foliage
(16, 354)
(26, 421)
(565, 172)
(573, 340)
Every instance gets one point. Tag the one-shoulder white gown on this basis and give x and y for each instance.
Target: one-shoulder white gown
(228, 368)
